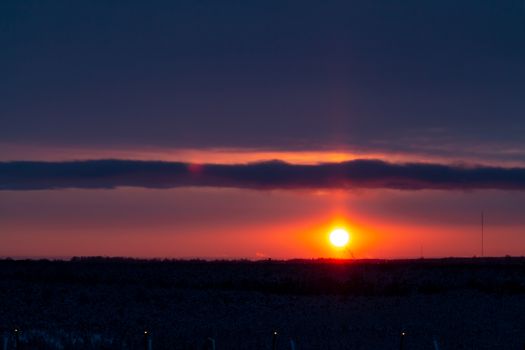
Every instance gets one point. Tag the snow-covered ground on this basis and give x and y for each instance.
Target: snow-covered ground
(465, 304)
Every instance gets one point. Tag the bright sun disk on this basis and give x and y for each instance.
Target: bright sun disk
(339, 237)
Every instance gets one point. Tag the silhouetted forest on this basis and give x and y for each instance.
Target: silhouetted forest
(296, 277)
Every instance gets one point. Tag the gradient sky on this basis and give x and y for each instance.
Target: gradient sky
(198, 83)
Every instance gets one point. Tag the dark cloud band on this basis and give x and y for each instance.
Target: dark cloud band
(356, 174)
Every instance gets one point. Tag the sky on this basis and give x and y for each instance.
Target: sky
(238, 129)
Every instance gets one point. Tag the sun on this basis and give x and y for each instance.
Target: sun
(339, 237)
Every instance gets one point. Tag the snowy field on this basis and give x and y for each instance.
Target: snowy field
(108, 304)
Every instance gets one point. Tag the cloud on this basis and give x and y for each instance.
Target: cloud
(355, 174)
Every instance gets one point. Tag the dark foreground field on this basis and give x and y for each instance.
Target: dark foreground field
(108, 303)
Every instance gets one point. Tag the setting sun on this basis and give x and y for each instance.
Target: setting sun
(339, 237)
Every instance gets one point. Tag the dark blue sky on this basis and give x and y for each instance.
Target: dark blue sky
(229, 82)
(429, 76)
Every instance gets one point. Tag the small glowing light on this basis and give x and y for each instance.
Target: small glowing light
(339, 237)
(274, 333)
(403, 333)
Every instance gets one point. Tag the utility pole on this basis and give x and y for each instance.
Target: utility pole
(482, 233)
(402, 341)
(147, 341)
